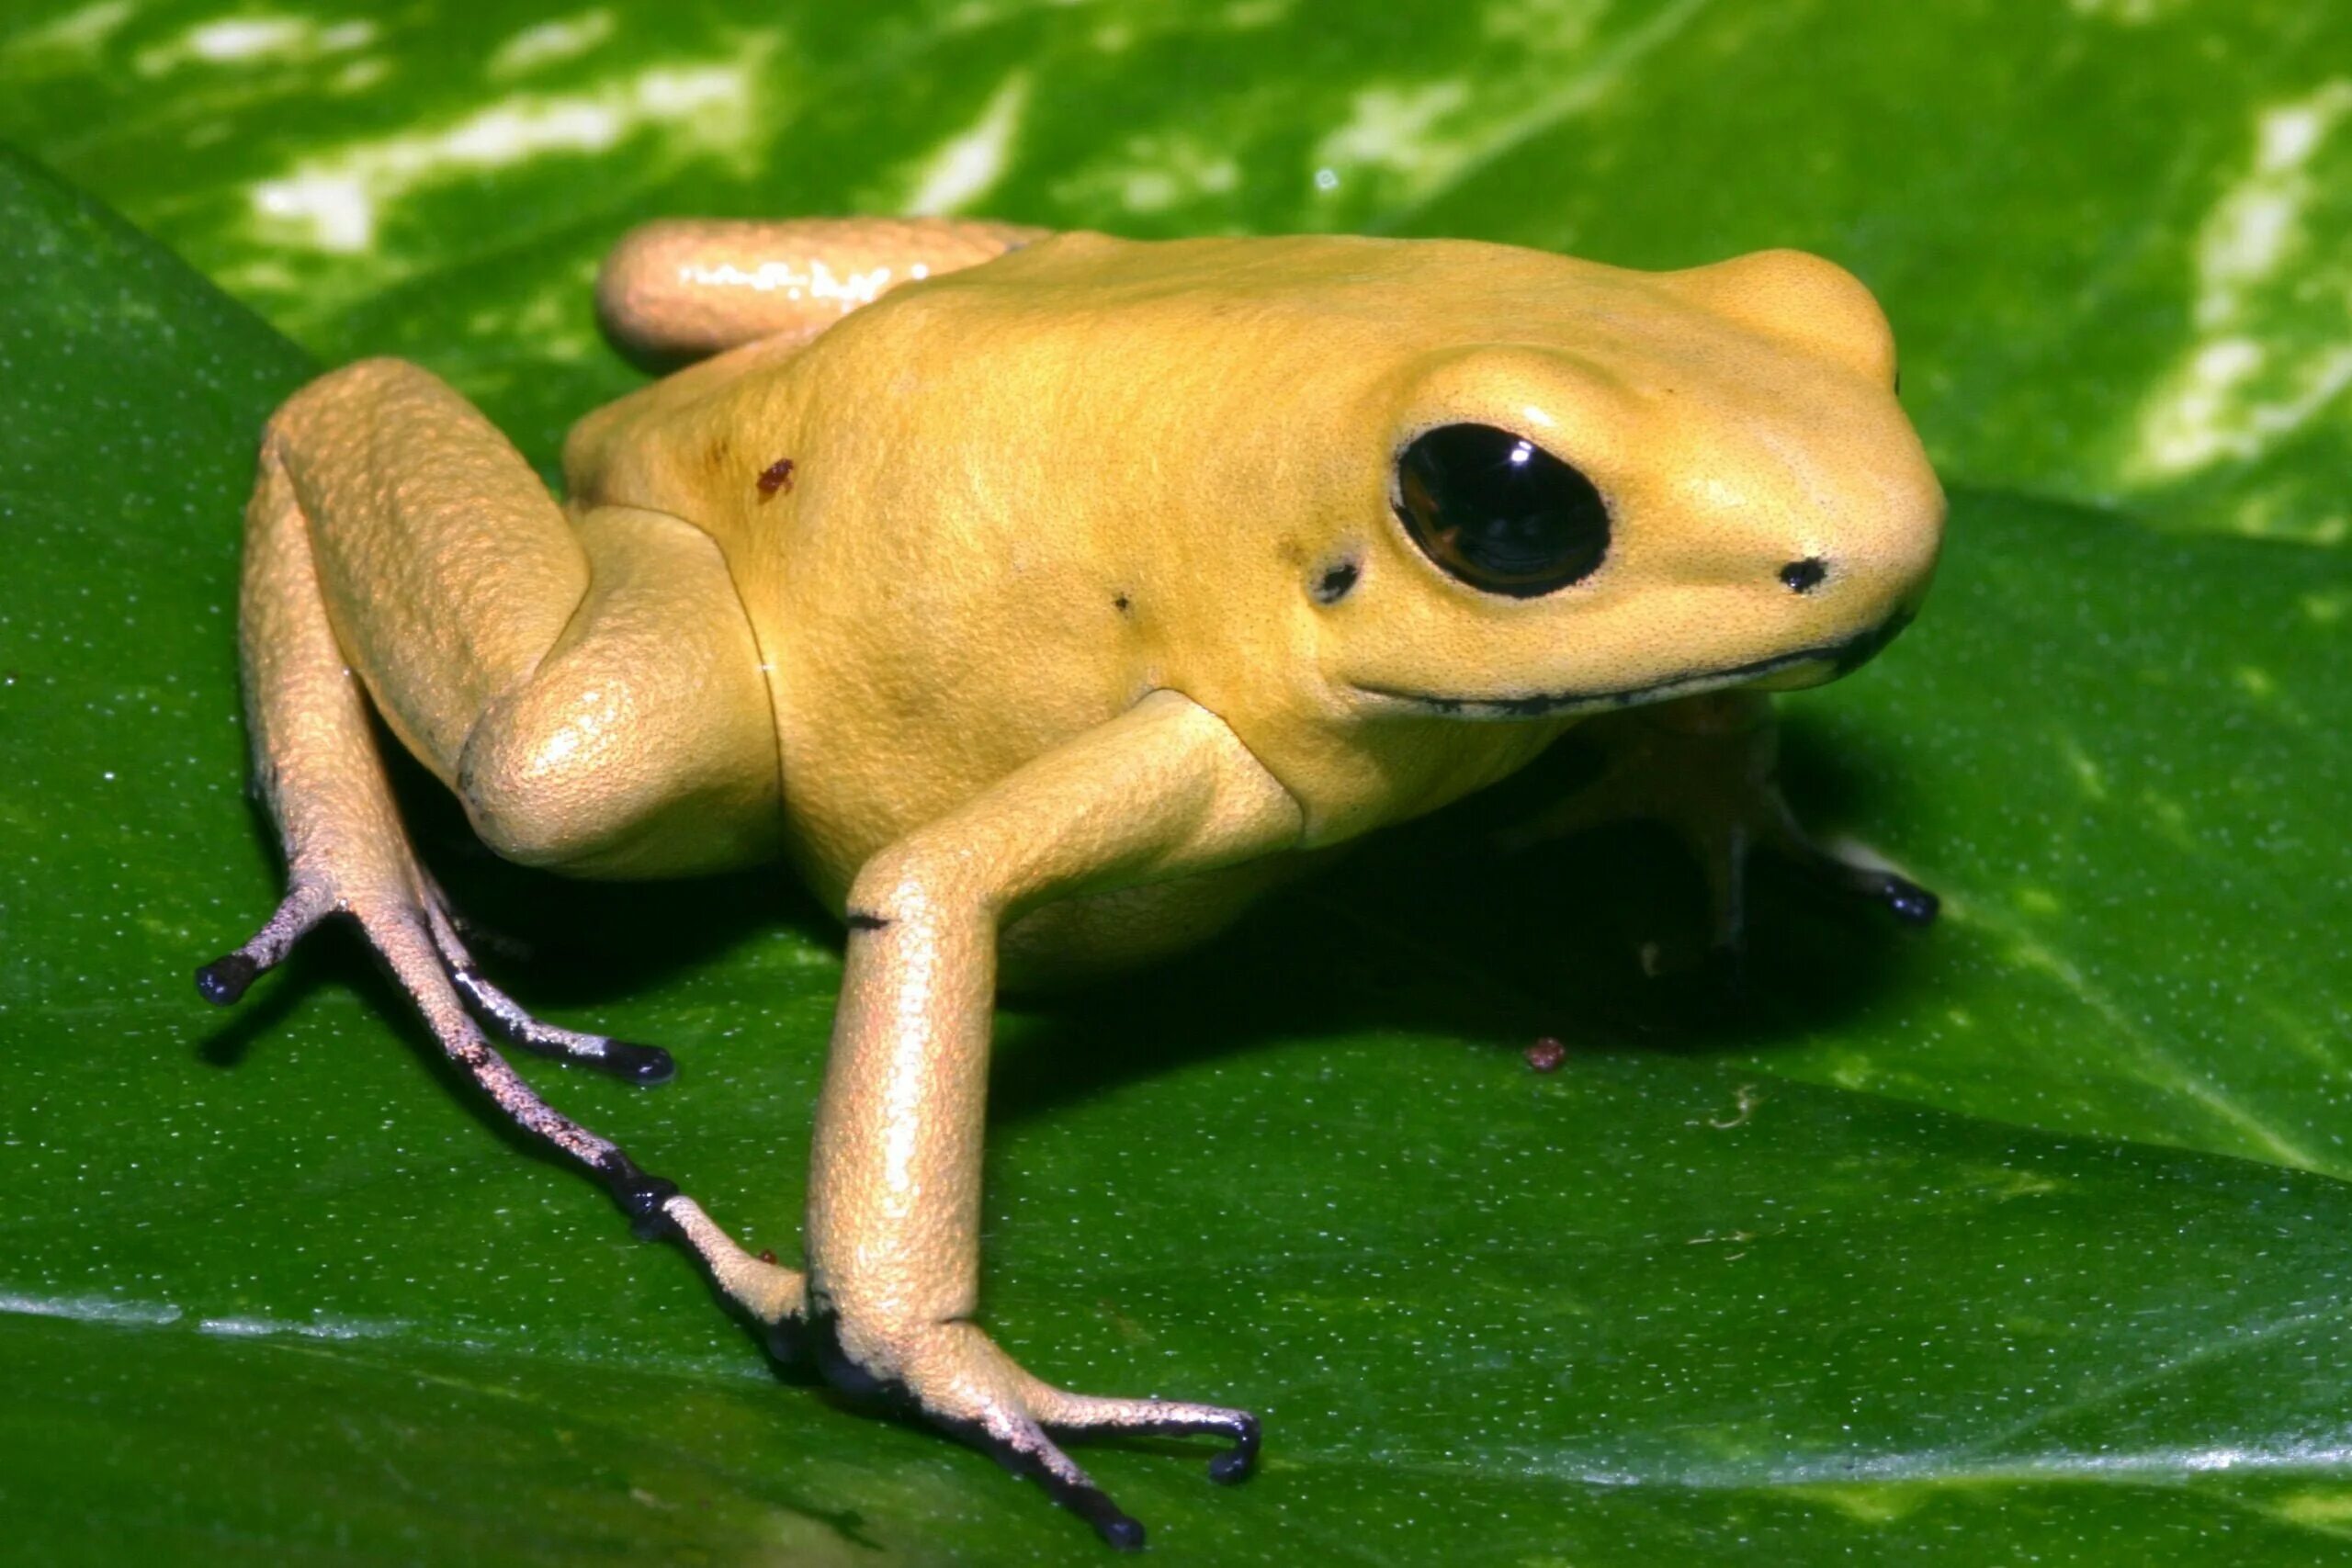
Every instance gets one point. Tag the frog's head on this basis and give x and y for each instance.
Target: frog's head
(1615, 487)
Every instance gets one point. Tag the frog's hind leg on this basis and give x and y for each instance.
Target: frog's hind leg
(390, 524)
(685, 289)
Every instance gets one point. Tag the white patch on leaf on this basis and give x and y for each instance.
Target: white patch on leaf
(335, 200)
(547, 42)
(359, 75)
(1396, 130)
(89, 1309)
(2271, 301)
(254, 40)
(255, 1327)
(556, 319)
(968, 164)
(1153, 174)
(1403, 144)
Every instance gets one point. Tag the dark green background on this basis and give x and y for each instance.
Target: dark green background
(2024, 1242)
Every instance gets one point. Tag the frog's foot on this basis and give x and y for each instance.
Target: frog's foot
(224, 980)
(958, 1381)
(417, 942)
(646, 1064)
(1703, 767)
(408, 935)
(1903, 898)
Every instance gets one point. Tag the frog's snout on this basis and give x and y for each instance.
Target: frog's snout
(1838, 660)
(1861, 650)
(1906, 580)
(1857, 587)
(1862, 597)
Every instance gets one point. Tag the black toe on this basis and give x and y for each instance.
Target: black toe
(1116, 1529)
(1238, 1462)
(640, 1197)
(642, 1065)
(223, 980)
(1911, 904)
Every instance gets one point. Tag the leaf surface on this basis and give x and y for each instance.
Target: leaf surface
(2115, 236)
(1935, 1250)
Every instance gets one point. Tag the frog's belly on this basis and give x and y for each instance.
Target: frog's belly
(1079, 939)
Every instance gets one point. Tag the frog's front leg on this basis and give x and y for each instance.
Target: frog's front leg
(1706, 767)
(589, 687)
(894, 1211)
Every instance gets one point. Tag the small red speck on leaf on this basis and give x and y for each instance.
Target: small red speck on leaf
(776, 476)
(767, 1255)
(1547, 1054)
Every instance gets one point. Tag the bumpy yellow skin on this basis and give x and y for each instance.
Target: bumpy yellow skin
(1001, 607)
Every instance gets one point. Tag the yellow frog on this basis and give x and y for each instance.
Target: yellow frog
(1042, 599)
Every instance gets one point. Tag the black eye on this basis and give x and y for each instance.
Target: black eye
(1499, 512)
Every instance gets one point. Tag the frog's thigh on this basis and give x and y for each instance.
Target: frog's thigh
(644, 744)
(689, 287)
(894, 1207)
(593, 693)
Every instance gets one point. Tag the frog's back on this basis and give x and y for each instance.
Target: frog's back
(995, 509)
(945, 515)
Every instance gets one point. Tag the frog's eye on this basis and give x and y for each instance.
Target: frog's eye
(1499, 512)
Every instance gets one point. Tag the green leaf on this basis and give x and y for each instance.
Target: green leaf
(2123, 760)
(1791, 1278)
(2115, 236)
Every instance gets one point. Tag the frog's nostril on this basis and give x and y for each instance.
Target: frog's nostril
(1804, 576)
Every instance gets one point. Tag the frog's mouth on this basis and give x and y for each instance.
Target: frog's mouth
(1781, 672)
